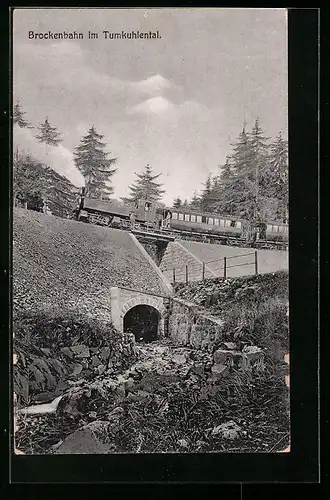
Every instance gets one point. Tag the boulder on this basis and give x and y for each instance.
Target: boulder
(252, 355)
(179, 359)
(101, 369)
(228, 430)
(198, 369)
(129, 385)
(89, 440)
(76, 369)
(219, 371)
(143, 395)
(105, 353)
(82, 351)
(222, 357)
(74, 402)
(95, 361)
(45, 350)
(67, 352)
(231, 346)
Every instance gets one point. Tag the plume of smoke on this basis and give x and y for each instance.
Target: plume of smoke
(58, 158)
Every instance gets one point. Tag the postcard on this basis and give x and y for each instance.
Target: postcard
(150, 231)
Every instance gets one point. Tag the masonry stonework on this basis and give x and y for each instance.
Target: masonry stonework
(123, 300)
(178, 257)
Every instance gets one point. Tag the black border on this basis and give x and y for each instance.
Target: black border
(301, 465)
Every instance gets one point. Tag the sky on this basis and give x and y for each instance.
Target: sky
(175, 103)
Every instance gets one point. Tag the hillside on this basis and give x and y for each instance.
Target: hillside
(64, 264)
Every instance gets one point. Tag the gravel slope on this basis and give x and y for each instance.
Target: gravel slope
(64, 264)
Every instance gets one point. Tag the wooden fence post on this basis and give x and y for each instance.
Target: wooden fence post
(187, 274)
(256, 262)
(225, 267)
(203, 271)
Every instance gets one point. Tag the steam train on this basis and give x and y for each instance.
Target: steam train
(148, 215)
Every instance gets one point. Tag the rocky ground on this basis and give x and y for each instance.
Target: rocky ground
(169, 400)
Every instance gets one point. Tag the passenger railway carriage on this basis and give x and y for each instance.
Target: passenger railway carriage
(149, 215)
(212, 223)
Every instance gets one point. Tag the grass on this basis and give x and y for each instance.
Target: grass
(254, 402)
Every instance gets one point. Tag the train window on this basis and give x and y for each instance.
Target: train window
(210, 221)
(227, 223)
(204, 219)
(193, 218)
(186, 217)
(286, 229)
(222, 222)
(280, 229)
(199, 218)
(269, 228)
(216, 222)
(232, 223)
(180, 216)
(174, 215)
(147, 206)
(239, 224)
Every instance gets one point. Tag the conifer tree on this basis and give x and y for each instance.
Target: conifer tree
(48, 134)
(195, 203)
(18, 116)
(223, 190)
(206, 197)
(275, 179)
(245, 165)
(145, 187)
(259, 161)
(177, 202)
(93, 162)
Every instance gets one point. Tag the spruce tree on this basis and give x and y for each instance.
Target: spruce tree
(206, 197)
(275, 180)
(145, 187)
(93, 162)
(259, 162)
(223, 190)
(177, 202)
(18, 116)
(242, 186)
(48, 134)
(195, 203)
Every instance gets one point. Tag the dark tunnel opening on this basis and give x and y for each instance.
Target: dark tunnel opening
(142, 321)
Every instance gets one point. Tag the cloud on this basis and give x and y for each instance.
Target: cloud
(59, 158)
(154, 85)
(153, 106)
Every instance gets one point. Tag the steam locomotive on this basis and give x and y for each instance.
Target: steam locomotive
(149, 215)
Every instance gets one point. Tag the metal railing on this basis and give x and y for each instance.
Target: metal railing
(191, 270)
